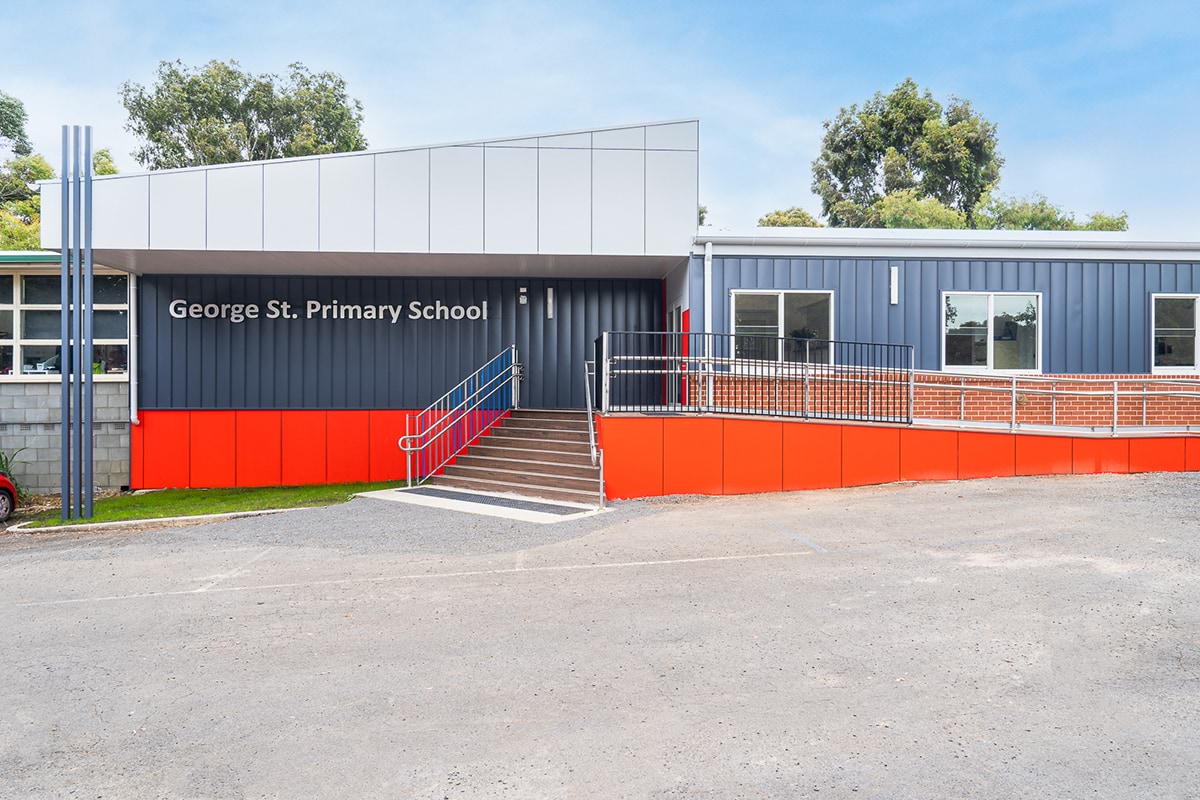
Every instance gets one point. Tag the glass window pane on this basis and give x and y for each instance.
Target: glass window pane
(806, 316)
(110, 325)
(6, 325)
(6, 357)
(1174, 332)
(41, 359)
(1014, 332)
(45, 325)
(6, 289)
(756, 326)
(109, 289)
(108, 359)
(41, 325)
(40, 289)
(966, 330)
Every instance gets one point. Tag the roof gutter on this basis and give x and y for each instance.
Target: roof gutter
(826, 242)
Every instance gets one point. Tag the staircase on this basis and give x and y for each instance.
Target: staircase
(534, 452)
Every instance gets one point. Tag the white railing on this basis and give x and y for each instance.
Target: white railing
(589, 376)
(458, 418)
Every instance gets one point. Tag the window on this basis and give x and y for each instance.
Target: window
(30, 316)
(767, 325)
(1174, 332)
(992, 331)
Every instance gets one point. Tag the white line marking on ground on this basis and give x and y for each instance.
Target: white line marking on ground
(233, 573)
(420, 576)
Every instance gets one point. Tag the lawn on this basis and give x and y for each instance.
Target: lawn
(189, 502)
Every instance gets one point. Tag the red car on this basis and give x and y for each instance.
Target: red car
(8, 497)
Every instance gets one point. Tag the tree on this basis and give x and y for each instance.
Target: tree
(794, 217)
(701, 215)
(907, 209)
(904, 140)
(1036, 213)
(12, 125)
(218, 114)
(102, 162)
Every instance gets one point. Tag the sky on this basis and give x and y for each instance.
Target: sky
(1097, 103)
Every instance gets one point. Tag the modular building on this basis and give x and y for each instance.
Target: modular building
(283, 322)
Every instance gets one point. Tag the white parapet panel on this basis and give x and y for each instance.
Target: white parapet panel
(620, 139)
(121, 213)
(347, 189)
(510, 197)
(671, 208)
(564, 201)
(618, 201)
(51, 227)
(235, 207)
(456, 199)
(402, 201)
(290, 206)
(673, 136)
(177, 205)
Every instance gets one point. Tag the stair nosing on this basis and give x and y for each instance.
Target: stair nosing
(530, 461)
(524, 486)
(527, 472)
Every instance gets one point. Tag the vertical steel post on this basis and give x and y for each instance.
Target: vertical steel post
(86, 314)
(604, 374)
(77, 325)
(1054, 403)
(64, 352)
(407, 452)
(1012, 425)
(1144, 415)
(1115, 397)
(912, 379)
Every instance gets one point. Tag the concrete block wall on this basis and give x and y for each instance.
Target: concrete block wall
(30, 419)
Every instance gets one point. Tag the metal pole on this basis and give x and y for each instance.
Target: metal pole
(77, 327)
(912, 379)
(1013, 421)
(604, 376)
(64, 352)
(86, 312)
(407, 452)
(1115, 396)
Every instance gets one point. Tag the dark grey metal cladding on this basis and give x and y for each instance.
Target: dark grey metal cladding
(364, 364)
(1095, 315)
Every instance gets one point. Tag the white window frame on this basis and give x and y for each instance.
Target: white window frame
(20, 341)
(1196, 335)
(733, 294)
(991, 320)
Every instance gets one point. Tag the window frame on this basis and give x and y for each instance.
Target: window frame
(780, 293)
(991, 321)
(20, 341)
(1195, 368)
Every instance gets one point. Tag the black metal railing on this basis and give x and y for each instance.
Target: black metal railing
(755, 375)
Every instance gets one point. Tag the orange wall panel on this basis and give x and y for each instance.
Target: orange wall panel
(166, 439)
(303, 445)
(812, 456)
(1044, 455)
(633, 457)
(927, 455)
(753, 455)
(1100, 455)
(136, 481)
(1192, 454)
(259, 457)
(870, 455)
(986, 455)
(349, 446)
(387, 461)
(1167, 454)
(212, 449)
(692, 455)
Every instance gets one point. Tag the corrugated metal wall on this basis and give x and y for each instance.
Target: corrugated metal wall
(1095, 315)
(371, 364)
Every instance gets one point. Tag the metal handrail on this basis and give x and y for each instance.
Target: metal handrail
(589, 374)
(450, 424)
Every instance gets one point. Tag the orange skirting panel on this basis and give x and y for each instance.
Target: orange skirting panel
(166, 449)
(387, 462)
(303, 446)
(259, 455)
(648, 456)
(213, 443)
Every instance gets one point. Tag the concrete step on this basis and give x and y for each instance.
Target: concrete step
(546, 493)
(526, 463)
(545, 423)
(577, 456)
(548, 480)
(514, 432)
(559, 413)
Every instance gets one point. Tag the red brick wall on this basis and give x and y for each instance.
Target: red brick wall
(832, 394)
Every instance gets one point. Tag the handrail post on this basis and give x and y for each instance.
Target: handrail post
(604, 373)
(1013, 420)
(708, 361)
(912, 381)
(1116, 389)
(1144, 417)
(1054, 403)
(407, 452)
